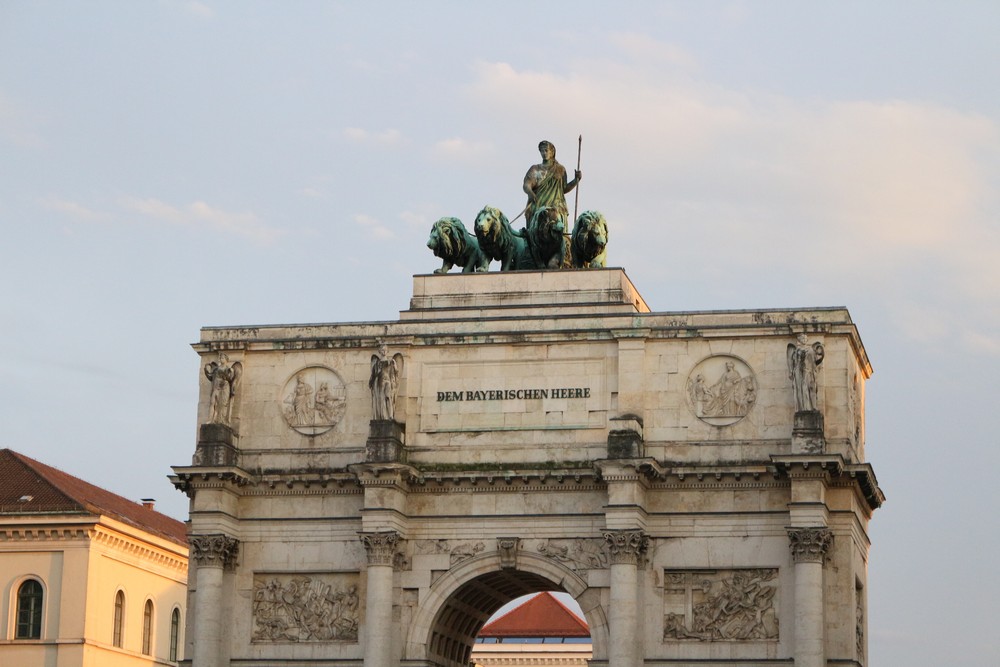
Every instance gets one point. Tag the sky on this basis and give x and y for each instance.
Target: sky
(168, 165)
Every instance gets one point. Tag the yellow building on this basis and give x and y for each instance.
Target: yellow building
(87, 577)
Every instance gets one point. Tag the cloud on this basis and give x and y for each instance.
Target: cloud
(374, 227)
(387, 137)
(461, 150)
(18, 124)
(199, 214)
(837, 192)
(73, 209)
(199, 9)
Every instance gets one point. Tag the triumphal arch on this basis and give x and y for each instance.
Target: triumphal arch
(370, 493)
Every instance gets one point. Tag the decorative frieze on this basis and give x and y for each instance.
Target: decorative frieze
(576, 554)
(720, 605)
(380, 547)
(625, 546)
(305, 608)
(216, 550)
(809, 545)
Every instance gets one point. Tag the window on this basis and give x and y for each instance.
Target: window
(147, 627)
(29, 611)
(119, 618)
(175, 631)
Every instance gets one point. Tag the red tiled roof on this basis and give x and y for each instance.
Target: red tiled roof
(541, 616)
(52, 491)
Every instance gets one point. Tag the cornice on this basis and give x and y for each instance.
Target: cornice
(201, 477)
(138, 550)
(93, 534)
(835, 470)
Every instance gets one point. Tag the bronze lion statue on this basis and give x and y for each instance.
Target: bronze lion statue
(590, 241)
(453, 243)
(498, 240)
(546, 238)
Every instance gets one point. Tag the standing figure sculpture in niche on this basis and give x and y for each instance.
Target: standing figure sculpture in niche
(803, 360)
(384, 382)
(224, 378)
(546, 184)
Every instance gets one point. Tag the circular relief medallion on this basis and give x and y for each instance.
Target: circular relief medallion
(721, 390)
(313, 400)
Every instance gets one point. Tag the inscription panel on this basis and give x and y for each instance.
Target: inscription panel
(513, 395)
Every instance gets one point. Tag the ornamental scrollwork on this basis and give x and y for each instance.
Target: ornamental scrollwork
(380, 547)
(809, 545)
(625, 546)
(215, 550)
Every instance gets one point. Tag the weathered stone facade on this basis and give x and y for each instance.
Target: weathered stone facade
(547, 432)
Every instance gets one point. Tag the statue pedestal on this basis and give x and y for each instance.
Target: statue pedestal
(216, 446)
(385, 441)
(625, 438)
(807, 433)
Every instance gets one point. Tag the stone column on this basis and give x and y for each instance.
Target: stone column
(381, 550)
(625, 552)
(809, 547)
(212, 554)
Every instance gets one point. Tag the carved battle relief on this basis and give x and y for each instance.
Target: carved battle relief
(305, 608)
(313, 400)
(576, 554)
(720, 605)
(721, 390)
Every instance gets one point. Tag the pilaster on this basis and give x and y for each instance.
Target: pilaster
(380, 548)
(213, 556)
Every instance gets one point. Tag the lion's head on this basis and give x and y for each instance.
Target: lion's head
(590, 240)
(490, 224)
(448, 239)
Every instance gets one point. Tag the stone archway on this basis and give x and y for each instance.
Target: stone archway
(445, 627)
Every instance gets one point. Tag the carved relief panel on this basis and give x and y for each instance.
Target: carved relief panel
(721, 390)
(313, 400)
(312, 607)
(720, 605)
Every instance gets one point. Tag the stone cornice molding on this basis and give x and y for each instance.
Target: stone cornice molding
(186, 478)
(380, 546)
(641, 470)
(834, 469)
(625, 546)
(46, 537)
(391, 475)
(809, 545)
(138, 550)
(216, 550)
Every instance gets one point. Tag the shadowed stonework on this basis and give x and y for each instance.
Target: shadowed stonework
(696, 481)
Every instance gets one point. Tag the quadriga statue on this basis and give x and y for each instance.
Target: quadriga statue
(546, 238)
(590, 241)
(452, 242)
(498, 240)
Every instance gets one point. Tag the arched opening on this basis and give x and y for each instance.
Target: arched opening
(445, 629)
(539, 629)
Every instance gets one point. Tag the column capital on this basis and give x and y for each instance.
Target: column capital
(625, 546)
(809, 545)
(380, 546)
(216, 550)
